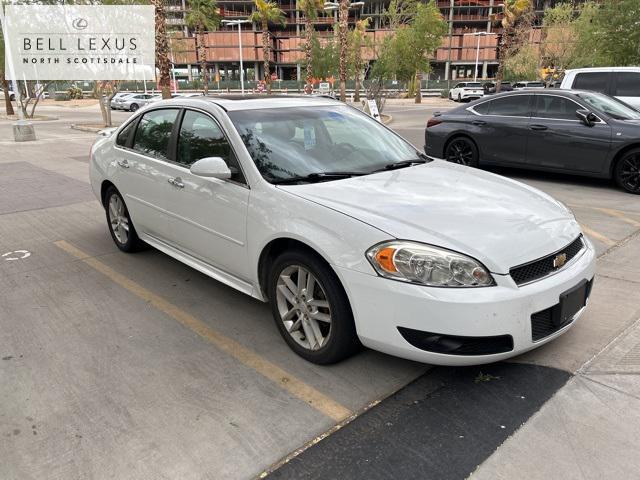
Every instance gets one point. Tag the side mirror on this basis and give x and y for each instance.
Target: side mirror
(211, 167)
(586, 117)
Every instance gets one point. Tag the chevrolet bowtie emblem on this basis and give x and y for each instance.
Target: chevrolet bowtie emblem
(559, 260)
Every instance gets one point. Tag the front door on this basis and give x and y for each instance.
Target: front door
(558, 140)
(208, 216)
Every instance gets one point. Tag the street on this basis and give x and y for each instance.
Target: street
(137, 366)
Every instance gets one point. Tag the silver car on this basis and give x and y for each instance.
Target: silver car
(134, 102)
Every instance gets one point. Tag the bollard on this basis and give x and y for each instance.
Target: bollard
(23, 131)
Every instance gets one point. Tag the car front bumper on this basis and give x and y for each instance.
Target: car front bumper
(380, 306)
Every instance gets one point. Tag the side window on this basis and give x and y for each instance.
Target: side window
(510, 106)
(482, 108)
(594, 81)
(201, 137)
(627, 84)
(551, 106)
(123, 137)
(154, 132)
(459, 85)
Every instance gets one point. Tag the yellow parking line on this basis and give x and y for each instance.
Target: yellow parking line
(598, 236)
(285, 380)
(618, 214)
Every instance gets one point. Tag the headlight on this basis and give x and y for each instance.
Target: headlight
(427, 265)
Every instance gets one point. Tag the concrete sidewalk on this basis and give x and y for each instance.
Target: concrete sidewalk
(589, 429)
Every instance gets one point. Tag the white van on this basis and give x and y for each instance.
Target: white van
(620, 82)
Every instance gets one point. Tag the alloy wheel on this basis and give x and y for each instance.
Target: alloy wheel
(630, 173)
(303, 307)
(459, 151)
(118, 219)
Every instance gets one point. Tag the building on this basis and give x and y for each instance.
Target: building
(473, 33)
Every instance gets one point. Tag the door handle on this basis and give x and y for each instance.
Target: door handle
(479, 122)
(123, 163)
(176, 182)
(538, 127)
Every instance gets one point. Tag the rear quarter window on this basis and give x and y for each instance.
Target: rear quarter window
(627, 84)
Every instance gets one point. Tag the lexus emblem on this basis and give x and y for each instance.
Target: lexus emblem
(80, 23)
(559, 260)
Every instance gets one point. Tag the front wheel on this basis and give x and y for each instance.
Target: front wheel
(133, 107)
(121, 227)
(627, 171)
(311, 309)
(463, 151)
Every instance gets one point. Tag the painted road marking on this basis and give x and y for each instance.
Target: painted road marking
(16, 255)
(598, 236)
(282, 378)
(618, 214)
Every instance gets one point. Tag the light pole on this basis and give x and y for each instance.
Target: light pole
(343, 7)
(239, 23)
(478, 34)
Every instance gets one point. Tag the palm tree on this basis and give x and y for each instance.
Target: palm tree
(514, 11)
(162, 48)
(3, 79)
(309, 9)
(203, 16)
(358, 39)
(343, 30)
(267, 12)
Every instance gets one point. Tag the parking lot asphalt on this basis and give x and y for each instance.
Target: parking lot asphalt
(136, 366)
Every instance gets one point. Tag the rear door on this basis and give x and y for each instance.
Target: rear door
(500, 128)
(558, 140)
(626, 87)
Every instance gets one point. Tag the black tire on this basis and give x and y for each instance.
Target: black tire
(342, 341)
(459, 98)
(463, 151)
(12, 98)
(627, 171)
(132, 243)
(133, 107)
(450, 96)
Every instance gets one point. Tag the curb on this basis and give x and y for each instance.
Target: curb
(85, 128)
(386, 119)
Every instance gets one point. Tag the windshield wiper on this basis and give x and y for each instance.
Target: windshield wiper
(404, 163)
(317, 177)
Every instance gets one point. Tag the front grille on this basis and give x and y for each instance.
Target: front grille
(544, 266)
(457, 345)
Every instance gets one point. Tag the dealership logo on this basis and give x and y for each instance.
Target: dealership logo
(80, 23)
(559, 260)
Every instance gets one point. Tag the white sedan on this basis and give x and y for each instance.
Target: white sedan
(466, 91)
(351, 234)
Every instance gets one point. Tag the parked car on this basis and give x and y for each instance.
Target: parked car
(490, 87)
(134, 102)
(578, 132)
(348, 232)
(527, 84)
(118, 98)
(12, 96)
(620, 82)
(466, 91)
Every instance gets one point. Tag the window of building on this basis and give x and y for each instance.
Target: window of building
(201, 137)
(154, 132)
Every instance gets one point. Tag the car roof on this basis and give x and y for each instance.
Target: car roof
(603, 69)
(255, 102)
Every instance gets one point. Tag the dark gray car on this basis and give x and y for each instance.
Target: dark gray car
(579, 132)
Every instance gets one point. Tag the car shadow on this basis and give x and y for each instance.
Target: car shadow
(553, 177)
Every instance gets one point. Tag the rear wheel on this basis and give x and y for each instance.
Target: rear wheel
(121, 227)
(311, 309)
(463, 151)
(459, 97)
(450, 96)
(134, 107)
(627, 171)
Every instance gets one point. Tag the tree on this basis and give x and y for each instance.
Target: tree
(267, 12)
(523, 64)
(324, 57)
(357, 41)
(517, 17)
(406, 55)
(343, 28)
(203, 16)
(558, 42)
(309, 9)
(399, 12)
(162, 48)
(3, 79)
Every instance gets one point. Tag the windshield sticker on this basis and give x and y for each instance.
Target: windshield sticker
(309, 135)
(336, 116)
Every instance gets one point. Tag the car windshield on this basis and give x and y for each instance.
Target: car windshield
(295, 142)
(609, 105)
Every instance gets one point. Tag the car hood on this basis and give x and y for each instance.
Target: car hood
(498, 221)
